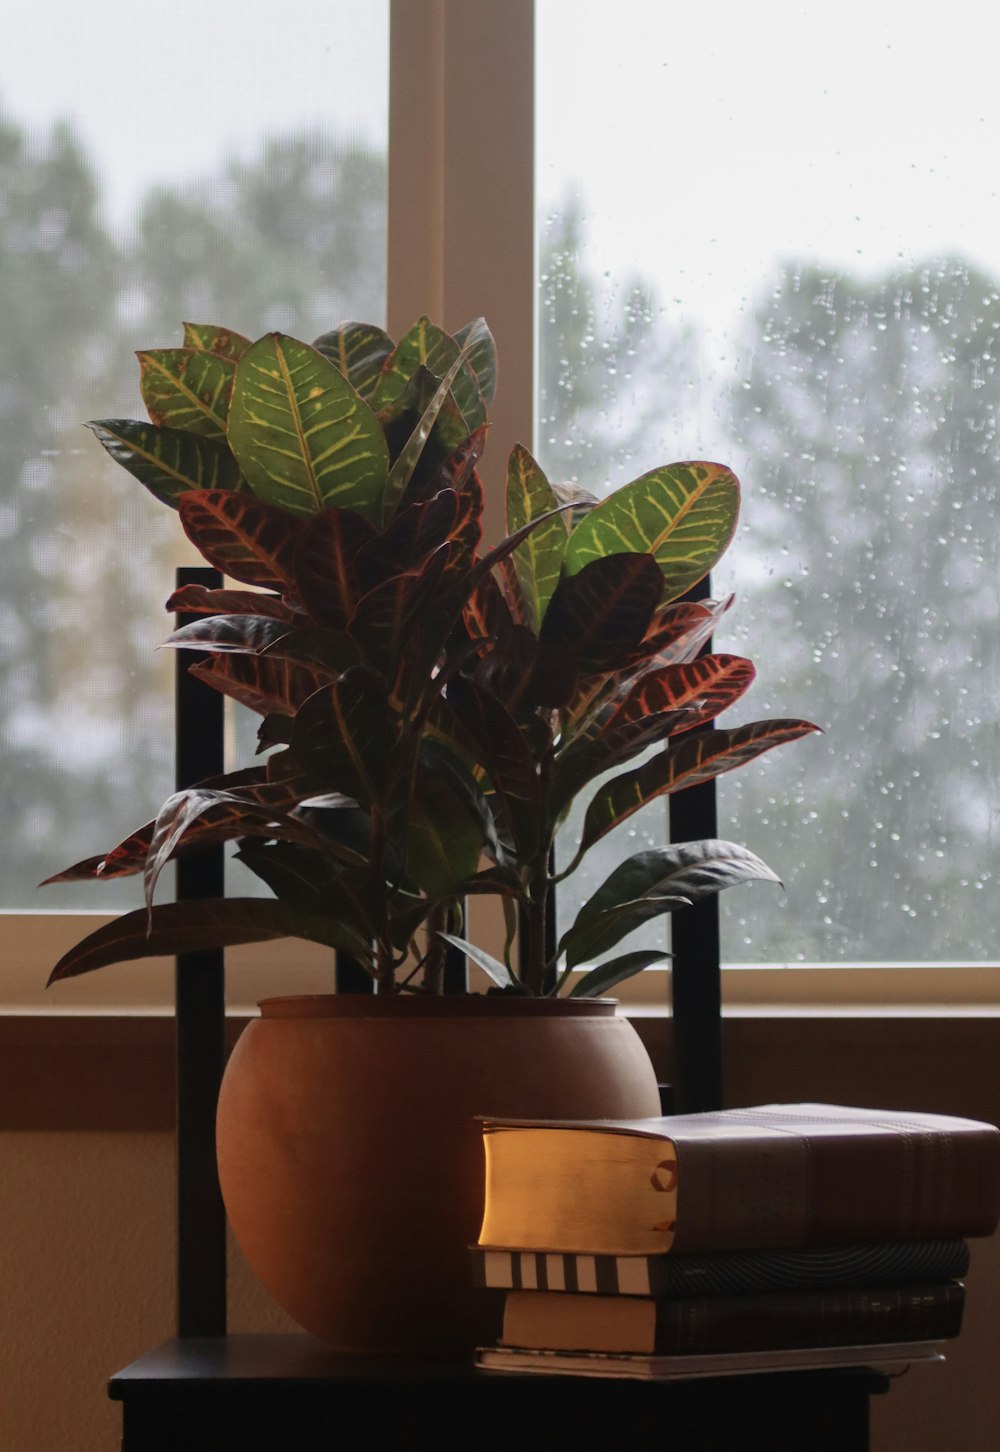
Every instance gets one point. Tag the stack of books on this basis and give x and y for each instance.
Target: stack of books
(789, 1235)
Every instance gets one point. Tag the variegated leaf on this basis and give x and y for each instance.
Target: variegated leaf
(405, 544)
(427, 345)
(605, 610)
(304, 438)
(326, 569)
(265, 684)
(589, 756)
(476, 340)
(344, 734)
(684, 515)
(308, 881)
(404, 618)
(677, 632)
(359, 351)
(242, 537)
(228, 816)
(185, 927)
(244, 634)
(129, 856)
(704, 687)
(506, 755)
(208, 339)
(169, 462)
(185, 388)
(405, 464)
(327, 652)
(539, 560)
(199, 600)
(693, 758)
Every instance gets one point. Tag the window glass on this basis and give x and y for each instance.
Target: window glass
(771, 237)
(200, 166)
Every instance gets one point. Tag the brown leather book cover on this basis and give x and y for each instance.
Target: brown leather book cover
(769, 1176)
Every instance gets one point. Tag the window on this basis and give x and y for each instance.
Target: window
(758, 240)
(203, 172)
(762, 243)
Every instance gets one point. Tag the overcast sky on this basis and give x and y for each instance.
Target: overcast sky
(706, 140)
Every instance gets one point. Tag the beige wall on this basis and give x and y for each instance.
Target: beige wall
(86, 1219)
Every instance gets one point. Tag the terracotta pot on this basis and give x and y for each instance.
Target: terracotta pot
(352, 1164)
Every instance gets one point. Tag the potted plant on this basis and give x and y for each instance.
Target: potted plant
(427, 706)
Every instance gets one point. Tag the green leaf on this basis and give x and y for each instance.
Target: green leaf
(308, 881)
(192, 927)
(695, 757)
(404, 466)
(476, 341)
(426, 345)
(616, 971)
(601, 933)
(206, 338)
(184, 388)
(443, 838)
(242, 537)
(539, 560)
(168, 462)
(358, 351)
(492, 967)
(656, 881)
(703, 687)
(304, 438)
(684, 515)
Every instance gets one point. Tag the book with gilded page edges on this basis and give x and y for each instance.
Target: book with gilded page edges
(770, 1321)
(724, 1273)
(777, 1176)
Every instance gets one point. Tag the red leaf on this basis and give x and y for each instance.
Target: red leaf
(242, 537)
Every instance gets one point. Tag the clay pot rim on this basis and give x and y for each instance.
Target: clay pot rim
(468, 1006)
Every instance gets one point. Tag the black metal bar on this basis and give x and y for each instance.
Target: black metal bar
(350, 977)
(696, 979)
(200, 1020)
(456, 970)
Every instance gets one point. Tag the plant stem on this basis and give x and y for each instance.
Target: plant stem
(536, 913)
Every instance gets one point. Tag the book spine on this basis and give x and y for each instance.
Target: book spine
(733, 1273)
(816, 1318)
(815, 1185)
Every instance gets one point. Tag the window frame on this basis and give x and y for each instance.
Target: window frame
(461, 242)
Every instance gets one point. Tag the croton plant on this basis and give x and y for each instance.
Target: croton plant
(430, 708)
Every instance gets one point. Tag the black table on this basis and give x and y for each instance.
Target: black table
(291, 1394)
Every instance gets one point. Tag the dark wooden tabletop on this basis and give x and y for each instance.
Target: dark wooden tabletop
(292, 1394)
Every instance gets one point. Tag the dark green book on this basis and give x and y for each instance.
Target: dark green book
(766, 1321)
(724, 1274)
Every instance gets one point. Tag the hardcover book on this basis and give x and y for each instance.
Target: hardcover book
(771, 1321)
(886, 1357)
(780, 1176)
(724, 1273)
